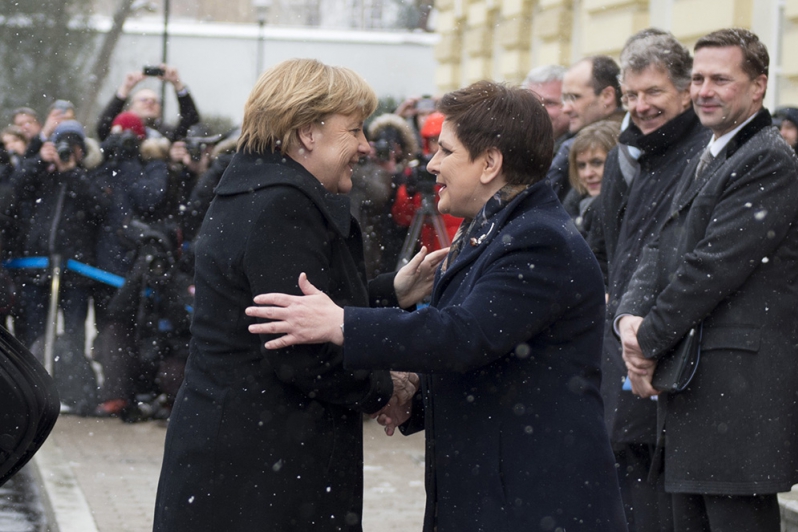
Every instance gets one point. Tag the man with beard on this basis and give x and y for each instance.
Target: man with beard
(640, 176)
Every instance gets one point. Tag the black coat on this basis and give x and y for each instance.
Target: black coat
(66, 213)
(728, 256)
(510, 350)
(631, 216)
(268, 440)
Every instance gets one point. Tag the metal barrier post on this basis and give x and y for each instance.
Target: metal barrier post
(52, 314)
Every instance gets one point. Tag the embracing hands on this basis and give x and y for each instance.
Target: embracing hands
(399, 407)
(640, 368)
(312, 318)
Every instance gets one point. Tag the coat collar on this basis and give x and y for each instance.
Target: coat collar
(482, 236)
(661, 139)
(249, 172)
(690, 186)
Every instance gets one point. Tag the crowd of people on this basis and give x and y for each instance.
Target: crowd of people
(576, 231)
(115, 212)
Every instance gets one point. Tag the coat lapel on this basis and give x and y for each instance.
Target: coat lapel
(690, 186)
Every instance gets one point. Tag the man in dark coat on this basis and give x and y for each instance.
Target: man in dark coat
(636, 192)
(67, 210)
(147, 105)
(727, 258)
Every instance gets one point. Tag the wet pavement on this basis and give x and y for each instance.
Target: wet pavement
(101, 475)
(21, 508)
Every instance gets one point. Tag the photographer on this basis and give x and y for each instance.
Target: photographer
(374, 183)
(147, 105)
(135, 189)
(188, 160)
(152, 308)
(419, 184)
(67, 210)
(202, 193)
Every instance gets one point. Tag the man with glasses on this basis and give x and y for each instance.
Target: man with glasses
(147, 105)
(590, 92)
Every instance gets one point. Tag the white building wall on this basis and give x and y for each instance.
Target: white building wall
(218, 61)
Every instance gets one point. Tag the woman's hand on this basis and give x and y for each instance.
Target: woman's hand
(398, 409)
(309, 319)
(413, 282)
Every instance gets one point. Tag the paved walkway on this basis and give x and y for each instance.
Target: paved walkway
(101, 475)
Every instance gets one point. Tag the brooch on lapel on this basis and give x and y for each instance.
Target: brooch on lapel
(477, 241)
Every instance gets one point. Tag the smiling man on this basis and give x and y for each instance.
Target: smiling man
(726, 258)
(640, 176)
(590, 93)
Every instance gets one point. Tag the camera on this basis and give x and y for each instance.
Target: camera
(420, 179)
(153, 71)
(121, 146)
(65, 143)
(382, 148)
(425, 105)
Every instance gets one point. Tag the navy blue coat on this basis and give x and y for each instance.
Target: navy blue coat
(510, 351)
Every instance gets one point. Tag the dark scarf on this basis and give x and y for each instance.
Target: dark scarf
(496, 203)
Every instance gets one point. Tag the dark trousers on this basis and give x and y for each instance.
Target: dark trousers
(721, 513)
(648, 508)
(73, 301)
(114, 349)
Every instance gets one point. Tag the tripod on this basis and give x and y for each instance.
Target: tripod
(427, 213)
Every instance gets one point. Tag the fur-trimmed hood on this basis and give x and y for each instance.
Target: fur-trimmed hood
(396, 122)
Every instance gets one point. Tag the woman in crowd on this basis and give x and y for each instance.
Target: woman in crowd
(586, 170)
(272, 440)
(509, 346)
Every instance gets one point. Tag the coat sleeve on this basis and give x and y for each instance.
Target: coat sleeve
(516, 297)
(114, 107)
(293, 237)
(750, 217)
(188, 116)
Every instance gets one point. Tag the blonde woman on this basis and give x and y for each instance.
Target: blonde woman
(272, 440)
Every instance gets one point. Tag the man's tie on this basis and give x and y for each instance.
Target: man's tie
(706, 158)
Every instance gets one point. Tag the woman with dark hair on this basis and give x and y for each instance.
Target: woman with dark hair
(510, 345)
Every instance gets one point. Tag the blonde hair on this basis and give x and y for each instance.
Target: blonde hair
(601, 135)
(296, 93)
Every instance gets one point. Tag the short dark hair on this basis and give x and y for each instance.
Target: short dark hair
(604, 73)
(756, 60)
(511, 119)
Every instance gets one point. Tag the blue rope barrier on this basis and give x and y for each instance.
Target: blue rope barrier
(95, 273)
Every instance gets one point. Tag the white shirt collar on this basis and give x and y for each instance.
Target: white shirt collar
(717, 145)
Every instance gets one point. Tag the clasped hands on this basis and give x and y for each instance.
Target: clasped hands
(314, 318)
(400, 405)
(640, 369)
